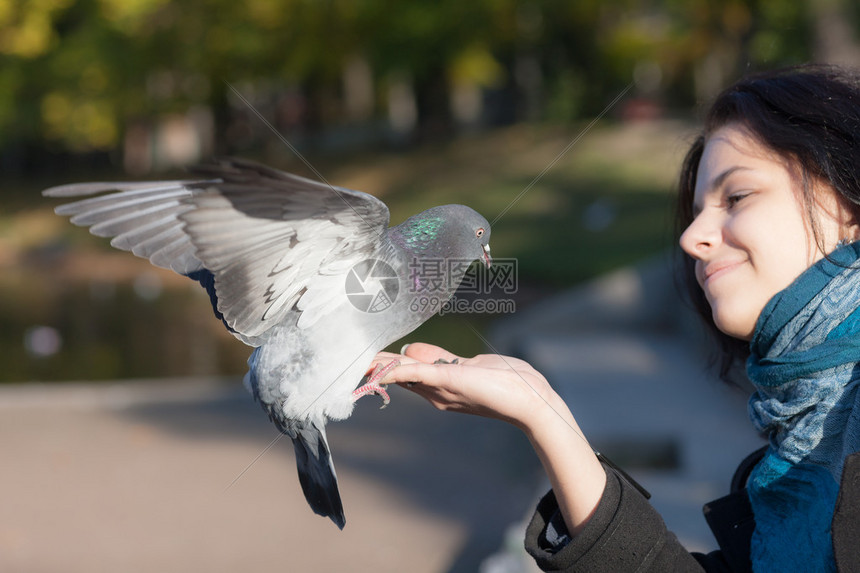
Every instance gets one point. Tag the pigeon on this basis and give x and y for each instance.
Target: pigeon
(308, 274)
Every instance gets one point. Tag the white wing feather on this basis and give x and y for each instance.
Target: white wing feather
(275, 242)
(142, 218)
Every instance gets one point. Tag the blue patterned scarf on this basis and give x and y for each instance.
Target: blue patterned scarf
(804, 365)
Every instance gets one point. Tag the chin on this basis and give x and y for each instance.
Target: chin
(733, 328)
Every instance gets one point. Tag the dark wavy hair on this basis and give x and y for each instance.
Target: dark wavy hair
(808, 115)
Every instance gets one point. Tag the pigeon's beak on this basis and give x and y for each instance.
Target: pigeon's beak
(487, 260)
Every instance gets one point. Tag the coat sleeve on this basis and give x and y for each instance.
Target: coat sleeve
(846, 518)
(625, 534)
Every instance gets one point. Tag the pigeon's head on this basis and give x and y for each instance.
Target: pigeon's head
(449, 231)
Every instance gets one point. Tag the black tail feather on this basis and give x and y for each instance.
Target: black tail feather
(316, 470)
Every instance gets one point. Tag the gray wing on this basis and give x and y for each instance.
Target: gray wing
(275, 243)
(143, 218)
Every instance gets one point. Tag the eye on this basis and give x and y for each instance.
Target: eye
(479, 233)
(734, 199)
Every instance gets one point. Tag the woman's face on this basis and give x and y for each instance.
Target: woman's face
(750, 236)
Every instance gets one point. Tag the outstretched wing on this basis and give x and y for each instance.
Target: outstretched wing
(142, 218)
(273, 242)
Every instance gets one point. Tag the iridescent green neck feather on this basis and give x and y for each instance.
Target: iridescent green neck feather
(419, 232)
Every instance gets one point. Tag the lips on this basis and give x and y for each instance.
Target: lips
(717, 268)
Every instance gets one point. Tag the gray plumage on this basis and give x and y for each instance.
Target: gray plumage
(281, 258)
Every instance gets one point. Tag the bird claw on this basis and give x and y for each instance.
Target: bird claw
(372, 386)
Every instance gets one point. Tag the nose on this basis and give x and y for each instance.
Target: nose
(700, 236)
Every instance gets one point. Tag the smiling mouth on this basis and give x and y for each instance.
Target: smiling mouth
(713, 271)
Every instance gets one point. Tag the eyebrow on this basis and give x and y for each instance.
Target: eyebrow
(717, 182)
(721, 178)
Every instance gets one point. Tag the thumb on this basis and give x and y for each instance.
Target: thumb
(427, 353)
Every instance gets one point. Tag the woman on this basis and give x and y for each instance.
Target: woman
(769, 204)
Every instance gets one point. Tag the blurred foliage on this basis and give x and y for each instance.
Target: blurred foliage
(75, 73)
(605, 204)
(81, 79)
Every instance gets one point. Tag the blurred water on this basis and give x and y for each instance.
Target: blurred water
(54, 329)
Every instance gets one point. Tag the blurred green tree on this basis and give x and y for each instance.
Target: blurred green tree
(79, 75)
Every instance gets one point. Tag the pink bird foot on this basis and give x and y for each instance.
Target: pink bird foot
(372, 386)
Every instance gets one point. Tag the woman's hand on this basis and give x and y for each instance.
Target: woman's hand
(487, 385)
(511, 390)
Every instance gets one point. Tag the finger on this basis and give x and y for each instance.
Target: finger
(428, 353)
(418, 373)
(385, 358)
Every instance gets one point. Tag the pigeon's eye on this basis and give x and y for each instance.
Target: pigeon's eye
(479, 233)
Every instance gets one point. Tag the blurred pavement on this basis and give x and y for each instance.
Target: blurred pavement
(136, 476)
